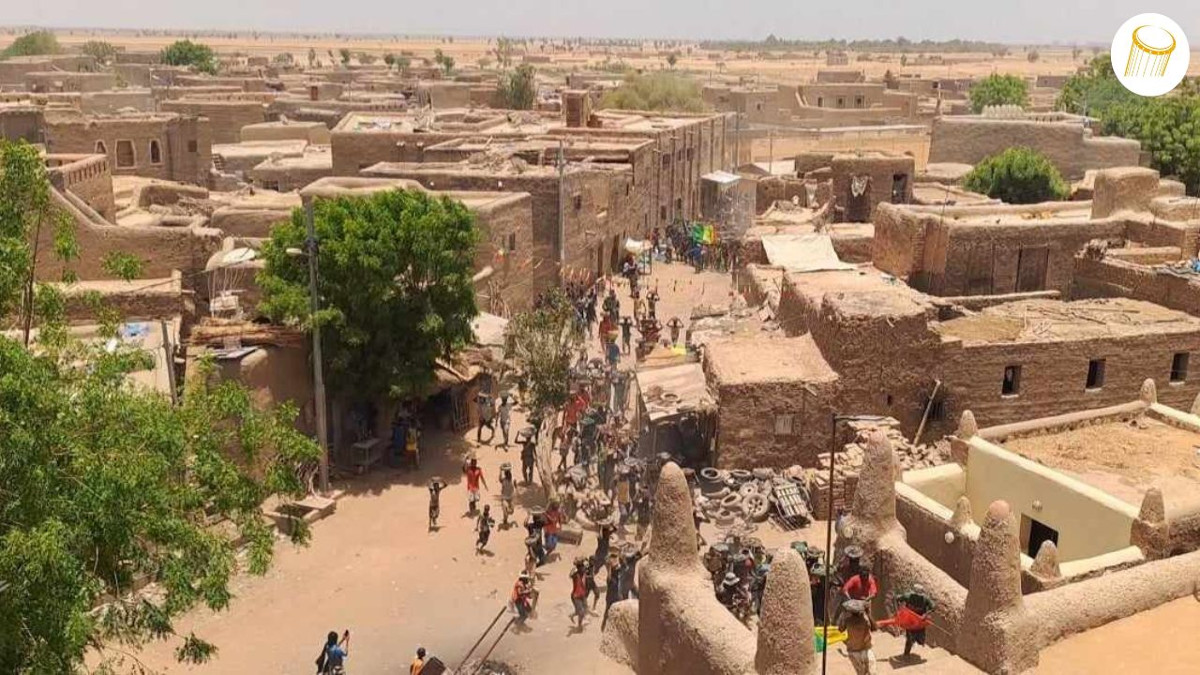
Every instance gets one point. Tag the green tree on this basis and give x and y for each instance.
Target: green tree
(1168, 128)
(107, 485)
(1033, 55)
(345, 54)
(672, 59)
(188, 53)
(32, 44)
(26, 211)
(402, 63)
(446, 62)
(365, 58)
(1017, 176)
(504, 52)
(395, 286)
(389, 59)
(1093, 90)
(656, 91)
(518, 88)
(997, 89)
(540, 345)
(104, 52)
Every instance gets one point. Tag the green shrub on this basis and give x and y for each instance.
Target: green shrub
(999, 89)
(1017, 176)
(188, 53)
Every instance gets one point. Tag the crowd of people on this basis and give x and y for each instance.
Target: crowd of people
(841, 596)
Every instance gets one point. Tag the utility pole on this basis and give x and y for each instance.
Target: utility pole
(562, 216)
(314, 305)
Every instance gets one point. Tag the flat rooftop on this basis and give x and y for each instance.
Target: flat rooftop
(450, 121)
(600, 148)
(1123, 458)
(491, 166)
(338, 186)
(257, 148)
(754, 360)
(1055, 321)
(863, 291)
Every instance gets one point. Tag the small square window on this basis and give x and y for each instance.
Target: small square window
(1011, 385)
(192, 146)
(841, 102)
(858, 101)
(820, 101)
(1095, 374)
(785, 424)
(1179, 366)
(512, 242)
(578, 201)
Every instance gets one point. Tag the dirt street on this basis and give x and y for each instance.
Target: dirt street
(373, 568)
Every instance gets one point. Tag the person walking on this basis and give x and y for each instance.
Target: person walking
(612, 586)
(505, 418)
(856, 622)
(475, 477)
(436, 485)
(507, 492)
(484, 408)
(579, 591)
(528, 455)
(484, 527)
(913, 616)
(626, 333)
(332, 659)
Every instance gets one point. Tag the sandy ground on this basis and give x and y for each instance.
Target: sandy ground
(1120, 458)
(373, 568)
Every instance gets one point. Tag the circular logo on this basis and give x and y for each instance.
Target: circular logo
(1150, 54)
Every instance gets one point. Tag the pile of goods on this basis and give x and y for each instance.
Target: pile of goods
(729, 497)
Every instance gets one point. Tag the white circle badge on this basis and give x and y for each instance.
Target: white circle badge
(1150, 54)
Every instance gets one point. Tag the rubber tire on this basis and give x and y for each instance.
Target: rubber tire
(748, 489)
(731, 501)
(757, 508)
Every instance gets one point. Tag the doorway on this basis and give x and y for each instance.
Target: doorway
(1034, 532)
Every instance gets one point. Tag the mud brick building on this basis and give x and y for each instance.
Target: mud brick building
(585, 201)
(154, 145)
(225, 118)
(1063, 138)
(504, 256)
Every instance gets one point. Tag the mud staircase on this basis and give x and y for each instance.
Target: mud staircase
(889, 650)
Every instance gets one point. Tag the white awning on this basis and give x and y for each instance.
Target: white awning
(803, 252)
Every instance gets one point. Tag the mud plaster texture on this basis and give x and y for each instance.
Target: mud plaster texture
(683, 629)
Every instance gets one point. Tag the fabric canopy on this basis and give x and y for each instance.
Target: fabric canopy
(803, 252)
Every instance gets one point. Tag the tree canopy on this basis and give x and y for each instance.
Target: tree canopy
(395, 287)
(106, 484)
(1017, 176)
(997, 89)
(188, 53)
(656, 91)
(103, 52)
(540, 344)
(32, 44)
(1166, 126)
(518, 88)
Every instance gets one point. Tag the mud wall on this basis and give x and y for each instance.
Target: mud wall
(1054, 376)
(969, 139)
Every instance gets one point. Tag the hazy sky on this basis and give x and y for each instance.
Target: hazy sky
(998, 20)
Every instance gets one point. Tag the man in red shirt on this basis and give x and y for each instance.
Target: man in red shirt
(579, 590)
(554, 518)
(861, 587)
(474, 477)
